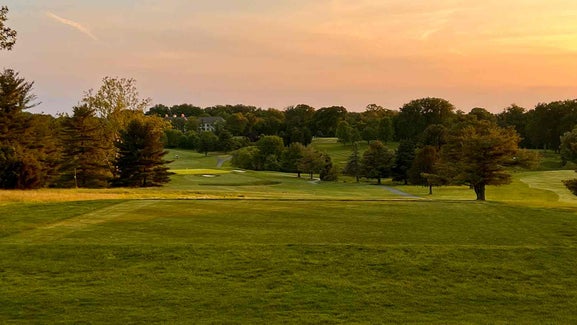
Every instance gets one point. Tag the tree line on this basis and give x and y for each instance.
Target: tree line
(539, 128)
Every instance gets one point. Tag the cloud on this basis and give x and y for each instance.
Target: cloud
(73, 24)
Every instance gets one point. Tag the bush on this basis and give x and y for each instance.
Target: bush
(571, 184)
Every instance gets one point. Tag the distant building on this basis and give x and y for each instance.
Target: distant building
(209, 123)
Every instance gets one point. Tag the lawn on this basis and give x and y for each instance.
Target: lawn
(227, 261)
(220, 245)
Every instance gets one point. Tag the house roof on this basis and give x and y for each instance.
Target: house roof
(210, 119)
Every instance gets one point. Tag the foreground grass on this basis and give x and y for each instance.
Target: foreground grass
(268, 261)
(219, 245)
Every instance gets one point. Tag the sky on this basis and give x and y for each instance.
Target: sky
(279, 53)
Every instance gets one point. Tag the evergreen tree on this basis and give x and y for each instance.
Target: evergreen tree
(140, 160)
(85, 150)
(26, 144)
(353, 167)
(329, 172)
(403, 160)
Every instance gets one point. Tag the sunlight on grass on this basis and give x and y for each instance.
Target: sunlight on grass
(200, 171)
(552, 181)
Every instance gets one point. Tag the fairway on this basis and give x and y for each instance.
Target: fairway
(220, 245)
(263, 261)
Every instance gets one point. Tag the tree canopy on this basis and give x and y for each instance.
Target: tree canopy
(477, 154)
(7, 34)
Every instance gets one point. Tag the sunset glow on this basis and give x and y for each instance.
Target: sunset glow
(278, 53)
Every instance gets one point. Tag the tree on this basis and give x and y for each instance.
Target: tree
(140, 160)
(344, 132)
(85, 150)
(477, 154)
(291, 156)
(403, 160)
(22, 150)
(207, 141)
(312, 162)
(548, 122)
(415, 116)
(423, 169)
(516, 117)
(353, 167)
(15, 97)
(225, 141)
(172, 138)
(482, 114)
(370, 132)
(237, 123)
(569, 153)
(270, 149)
(326, 120)
(114, 97)
(386, 131)
(568, 146)
(298, 121)
(246, 158)
(434, 135)
(7, 35)
(329, 172)
(377, 161)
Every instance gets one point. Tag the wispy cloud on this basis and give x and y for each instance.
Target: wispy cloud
(72, 24)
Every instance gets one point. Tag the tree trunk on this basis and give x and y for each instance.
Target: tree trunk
(299, 174)
(379, 180)
(430, 189)
(480, 191)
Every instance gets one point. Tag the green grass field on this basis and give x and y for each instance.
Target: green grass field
(220, 245)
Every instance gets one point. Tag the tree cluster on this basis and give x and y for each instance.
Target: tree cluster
(105, 142)
(270, 153)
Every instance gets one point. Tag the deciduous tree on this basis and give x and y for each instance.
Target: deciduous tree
(377, 161)
(7, 35)
(477, 154)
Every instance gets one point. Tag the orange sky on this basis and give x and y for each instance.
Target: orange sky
(278, 53)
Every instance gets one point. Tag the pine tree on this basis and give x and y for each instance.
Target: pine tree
(353, 167)
(85, 150)
(404, 159)
(140, 160)
(27, 143)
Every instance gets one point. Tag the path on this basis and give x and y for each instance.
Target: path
(221, 161)
(401, 193)
(60, 229)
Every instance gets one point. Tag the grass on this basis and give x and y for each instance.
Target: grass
(256, 262)
(266, 248)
